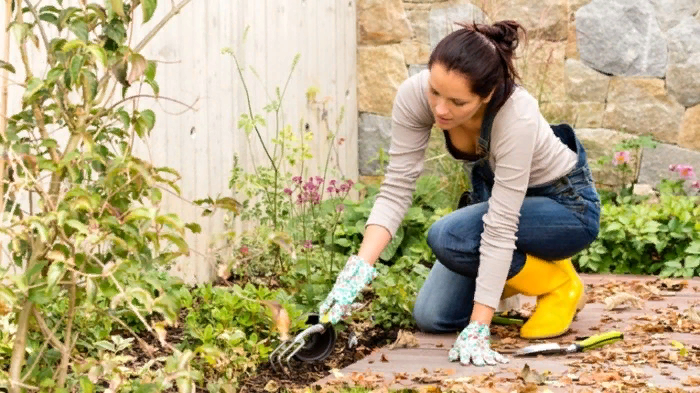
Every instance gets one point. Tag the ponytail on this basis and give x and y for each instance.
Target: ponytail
(485, 55)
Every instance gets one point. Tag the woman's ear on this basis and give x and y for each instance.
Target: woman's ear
(488, 99)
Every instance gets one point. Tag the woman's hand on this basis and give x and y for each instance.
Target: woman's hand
(473, 346)
(352, 279)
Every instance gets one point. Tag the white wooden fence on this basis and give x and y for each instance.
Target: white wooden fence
(193, 68)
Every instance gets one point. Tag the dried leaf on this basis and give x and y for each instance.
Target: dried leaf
(405, 340)
(280, 317)
(614, 301)
(529, 375)
(606, 377)
(691, 380)
(383, 358)
(159, 327)
(693, 315)
(336, 373)
(271, 386)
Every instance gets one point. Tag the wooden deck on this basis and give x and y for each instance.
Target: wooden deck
(646, 359)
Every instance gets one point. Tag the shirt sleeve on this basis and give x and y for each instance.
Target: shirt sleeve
(411, 125)
(512, 146)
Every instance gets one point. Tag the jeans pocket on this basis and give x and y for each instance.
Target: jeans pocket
(564, 192)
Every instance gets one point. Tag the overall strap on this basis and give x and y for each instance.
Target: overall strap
(489, 116)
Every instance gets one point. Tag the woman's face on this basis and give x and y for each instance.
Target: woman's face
(451, 99)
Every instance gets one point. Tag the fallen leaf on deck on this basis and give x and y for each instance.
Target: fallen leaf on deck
(529, 375)
(615, 301)
(606, 377)
(693, 314)
(383, 358)
(336, 373)
(691, 380)
(670, 285)
(405, 340)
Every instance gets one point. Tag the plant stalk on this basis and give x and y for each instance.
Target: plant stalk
(20, 346)
(67, 346)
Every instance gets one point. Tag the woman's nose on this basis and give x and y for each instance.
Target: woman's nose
(441, 109)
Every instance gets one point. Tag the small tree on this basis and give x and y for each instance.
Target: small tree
(80, 209)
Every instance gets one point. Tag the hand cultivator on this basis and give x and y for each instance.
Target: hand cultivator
(313, 344)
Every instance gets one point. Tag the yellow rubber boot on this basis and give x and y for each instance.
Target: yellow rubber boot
(573, 274)
(558, 291)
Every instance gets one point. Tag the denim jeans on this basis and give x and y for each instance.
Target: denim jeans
(558, 219)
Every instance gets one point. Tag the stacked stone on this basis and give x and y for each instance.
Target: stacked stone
(611, 68)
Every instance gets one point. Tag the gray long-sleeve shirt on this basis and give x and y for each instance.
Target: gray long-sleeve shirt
(524, 152)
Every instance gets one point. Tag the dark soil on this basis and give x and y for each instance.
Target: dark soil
(300, 375)
(303, 375)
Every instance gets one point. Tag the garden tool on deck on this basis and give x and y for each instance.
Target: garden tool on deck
(508, 318)
(592, 342)
(313, 344)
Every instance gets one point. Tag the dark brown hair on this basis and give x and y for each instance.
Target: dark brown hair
(484, 55)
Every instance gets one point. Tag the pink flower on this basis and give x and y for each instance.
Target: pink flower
(307, 244)
(621, 157)
(288, 191)
(672, 167)
(686, 172)
(695, 184)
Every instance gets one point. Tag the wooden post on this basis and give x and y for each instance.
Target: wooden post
(4, 82)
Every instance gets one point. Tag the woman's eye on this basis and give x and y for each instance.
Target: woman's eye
(459, 103)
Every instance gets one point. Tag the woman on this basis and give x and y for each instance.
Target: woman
(532, 206)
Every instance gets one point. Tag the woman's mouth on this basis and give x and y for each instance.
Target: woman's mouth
(442, 120)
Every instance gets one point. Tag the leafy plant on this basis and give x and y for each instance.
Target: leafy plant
(82, 212)
(649, 238)
(230, 326)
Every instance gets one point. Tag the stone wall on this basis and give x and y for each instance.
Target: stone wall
(611, 68)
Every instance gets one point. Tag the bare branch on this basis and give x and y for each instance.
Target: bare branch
(156, 98)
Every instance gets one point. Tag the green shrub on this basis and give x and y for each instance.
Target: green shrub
(647, 238)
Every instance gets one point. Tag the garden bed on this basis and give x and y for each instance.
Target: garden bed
(370, 338)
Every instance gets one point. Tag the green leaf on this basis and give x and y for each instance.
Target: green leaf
(71, 45)
(78, 226)
(86, 386)
(390, 250)
(194, 227)
(694, 248)
(173, 221)
(149, 117)
(179, 242)
(140, 213)
(154, 85)
(75, 65)
(56, 271)
(151, 70)
(7, 296)
(692, 261)
(149, 7)
(33, 86)
(7, 66)
(118, 7)
(80, 29)
(99, 53)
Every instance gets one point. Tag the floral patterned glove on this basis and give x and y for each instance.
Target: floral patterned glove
(355, 275)
(473, 345)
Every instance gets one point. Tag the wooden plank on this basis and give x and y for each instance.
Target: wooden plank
(432, 350)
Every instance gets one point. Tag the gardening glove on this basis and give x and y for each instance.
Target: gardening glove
(352, 279)
(473, 345)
